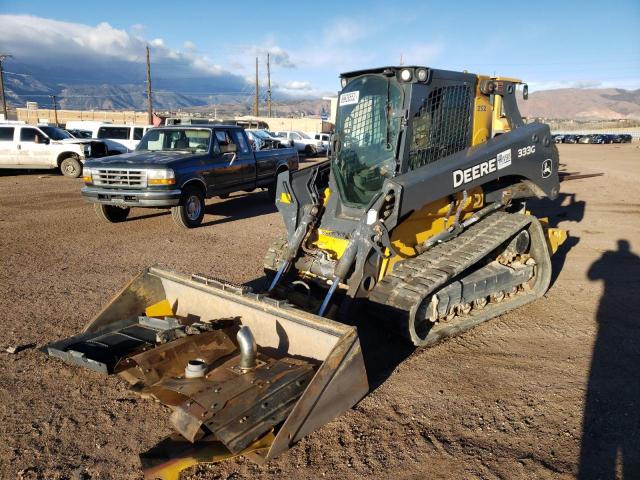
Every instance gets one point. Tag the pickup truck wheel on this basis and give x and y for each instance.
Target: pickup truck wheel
(111, 213)
(71, 167)
(309, 151)
(190, 212)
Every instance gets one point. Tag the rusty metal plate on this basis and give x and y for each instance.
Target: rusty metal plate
(238, 408)
(169, 360)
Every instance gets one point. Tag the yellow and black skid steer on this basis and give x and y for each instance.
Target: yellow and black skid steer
(417, 221)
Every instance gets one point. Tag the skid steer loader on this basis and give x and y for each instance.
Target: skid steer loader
(417, 222)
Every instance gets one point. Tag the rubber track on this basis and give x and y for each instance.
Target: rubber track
(398, 296)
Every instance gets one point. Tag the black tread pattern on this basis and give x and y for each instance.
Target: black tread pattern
(397, 297)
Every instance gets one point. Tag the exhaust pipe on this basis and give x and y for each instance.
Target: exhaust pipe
(248, 348)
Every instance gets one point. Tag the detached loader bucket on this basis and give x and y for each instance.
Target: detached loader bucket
(197, 359)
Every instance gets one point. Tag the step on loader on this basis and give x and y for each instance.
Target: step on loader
(417, 225)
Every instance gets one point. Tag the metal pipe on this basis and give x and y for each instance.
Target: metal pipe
(248, 348)
(276, 279)
(327, 298)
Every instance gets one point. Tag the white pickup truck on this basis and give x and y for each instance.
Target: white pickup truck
(45, 147)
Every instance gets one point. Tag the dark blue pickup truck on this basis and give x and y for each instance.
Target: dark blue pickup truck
(178, 167)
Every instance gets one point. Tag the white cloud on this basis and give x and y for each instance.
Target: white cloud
(189, 45)
(89, 50)
(277, 55)
(297, 85)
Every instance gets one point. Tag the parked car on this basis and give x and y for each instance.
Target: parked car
(303, 142)
(586, 139)
(263, 141)
(626, 138)
(178, 167)
(616, 139)
(285, 142)
(558, 138)
(569, 139)
(75, 133)
(45, 147)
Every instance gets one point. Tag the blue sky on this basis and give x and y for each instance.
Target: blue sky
(548, 44)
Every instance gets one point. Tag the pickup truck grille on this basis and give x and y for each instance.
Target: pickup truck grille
(120, 178)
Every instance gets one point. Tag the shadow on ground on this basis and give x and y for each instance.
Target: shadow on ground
(611, 424)
(240, 207)
(565, 208)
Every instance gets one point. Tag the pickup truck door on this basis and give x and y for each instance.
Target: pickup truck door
(33, 148)
(230, 163)
(246, 159)
(8, 147)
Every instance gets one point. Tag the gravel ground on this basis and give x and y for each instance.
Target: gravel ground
(547, 391)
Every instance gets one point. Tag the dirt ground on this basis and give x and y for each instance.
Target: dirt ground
(518, 397)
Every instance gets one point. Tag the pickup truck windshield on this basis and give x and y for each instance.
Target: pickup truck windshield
(176, 139)
(55, 133)
(367, 134)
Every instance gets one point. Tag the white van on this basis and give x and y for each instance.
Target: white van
(126, 135)
(119, 138)
(325, 138)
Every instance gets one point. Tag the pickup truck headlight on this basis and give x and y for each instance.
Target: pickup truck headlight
(161, 177)
(87, 175)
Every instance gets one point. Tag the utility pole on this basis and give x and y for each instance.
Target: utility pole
(149, 104)
(268, 87)
(256, 110)
(3, 57)
(55, 108)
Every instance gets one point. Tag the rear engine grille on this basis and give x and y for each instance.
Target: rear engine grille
(120, 178)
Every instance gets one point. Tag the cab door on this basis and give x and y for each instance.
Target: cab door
(8, 147)
(221, 171)
(33, 148)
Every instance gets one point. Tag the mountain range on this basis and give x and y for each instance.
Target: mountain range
(567, 103)
(583, 104)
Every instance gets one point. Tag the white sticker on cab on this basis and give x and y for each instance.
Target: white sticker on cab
(349, 98)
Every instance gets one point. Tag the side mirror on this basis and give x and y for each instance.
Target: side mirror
(525, 91)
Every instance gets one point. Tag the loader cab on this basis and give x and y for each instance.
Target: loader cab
(393, 120)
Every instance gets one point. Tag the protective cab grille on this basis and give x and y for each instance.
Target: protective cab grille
(441, 126)
(122, 177)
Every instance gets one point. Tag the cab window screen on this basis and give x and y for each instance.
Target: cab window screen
(441, 126)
